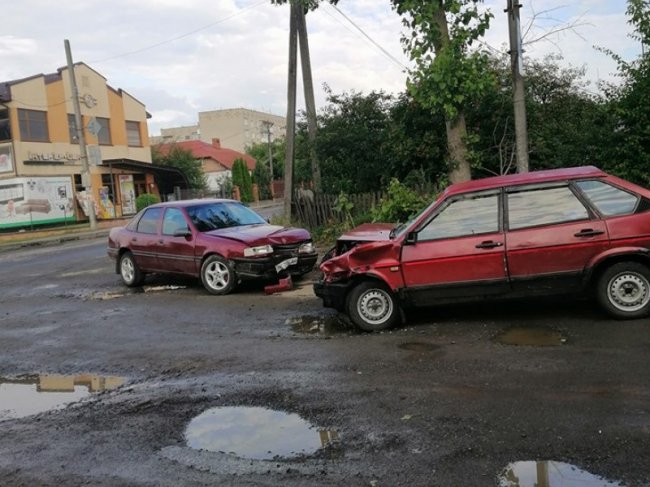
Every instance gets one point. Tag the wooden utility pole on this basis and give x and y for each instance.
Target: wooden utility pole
(519, 98)
(85, 171)
(310, 104)
(291, 111)
(267, 125)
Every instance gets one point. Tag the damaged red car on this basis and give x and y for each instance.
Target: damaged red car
(548, 232)
(220, 241)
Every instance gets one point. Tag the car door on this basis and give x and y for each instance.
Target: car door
(458, 252)
(551, 236)
(144, 241)
(176, 252)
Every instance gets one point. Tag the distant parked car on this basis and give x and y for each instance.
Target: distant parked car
(220, 241)
(547, 232)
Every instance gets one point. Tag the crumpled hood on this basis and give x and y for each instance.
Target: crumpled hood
(369, 232)
(263, 234)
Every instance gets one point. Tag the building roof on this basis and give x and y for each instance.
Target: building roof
(214, 151)
(549, 175)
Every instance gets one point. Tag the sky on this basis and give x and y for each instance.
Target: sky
(181, 57)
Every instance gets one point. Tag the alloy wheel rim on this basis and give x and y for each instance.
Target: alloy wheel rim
(217, 275)
(128, 270)
(629, 291)
(375, 306)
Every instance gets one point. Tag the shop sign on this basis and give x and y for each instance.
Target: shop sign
(52, 156)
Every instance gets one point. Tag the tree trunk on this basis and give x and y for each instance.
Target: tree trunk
(310, 104)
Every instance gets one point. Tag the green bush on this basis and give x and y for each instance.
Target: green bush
(242, 179)
(399, 205)
(146, 199)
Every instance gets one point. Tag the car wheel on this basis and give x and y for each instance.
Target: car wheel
(624, 290)
(372, 307)
(131, 274)
(217, 275)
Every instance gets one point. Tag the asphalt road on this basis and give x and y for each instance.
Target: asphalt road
(440, 401)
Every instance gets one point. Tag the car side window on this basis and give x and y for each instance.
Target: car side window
(149, 221)
(173, 221)
(607, 199)
(463, 217)
(544, 207)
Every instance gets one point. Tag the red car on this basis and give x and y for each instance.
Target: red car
(220, 241)
(546, 232)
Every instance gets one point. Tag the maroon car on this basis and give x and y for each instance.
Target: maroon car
(546, 232)
(220, 241)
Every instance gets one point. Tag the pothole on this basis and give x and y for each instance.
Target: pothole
(420, 347)
(539, 336)
(549, 473)
(33, 394)
(320, 325)
(256, 433)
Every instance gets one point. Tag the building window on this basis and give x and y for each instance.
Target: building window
(104, 135)
(72, 129)
(5, 131)
(33, 125)
(133, 134)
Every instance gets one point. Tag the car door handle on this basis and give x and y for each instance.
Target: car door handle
(134, 239)
(488, 244)
(161, 242)
(588, 232)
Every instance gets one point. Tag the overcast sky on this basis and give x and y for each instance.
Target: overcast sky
(180, 57)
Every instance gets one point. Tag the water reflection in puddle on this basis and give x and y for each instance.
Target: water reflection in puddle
(550, 473)
(27, 395)
(531, 336)
(320, 325)
(256, 433)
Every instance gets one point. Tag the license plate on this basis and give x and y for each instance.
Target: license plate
(286, 263)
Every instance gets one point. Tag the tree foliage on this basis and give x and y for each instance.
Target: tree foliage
(260, 152)
(184, 160)
(262, 177)
(242, 179)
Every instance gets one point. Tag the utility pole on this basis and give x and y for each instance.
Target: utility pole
(85, 172)
(519, 99)
(310, 104)
(291, 110)
(267, 125)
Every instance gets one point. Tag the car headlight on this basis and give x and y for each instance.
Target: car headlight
(306, 248)
(257, 251)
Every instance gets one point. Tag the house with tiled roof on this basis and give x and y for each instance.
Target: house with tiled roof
(216, 161)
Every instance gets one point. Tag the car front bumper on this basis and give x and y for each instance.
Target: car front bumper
(333, 294)
(276, 266)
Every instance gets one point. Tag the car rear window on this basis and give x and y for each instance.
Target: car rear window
(607, 199)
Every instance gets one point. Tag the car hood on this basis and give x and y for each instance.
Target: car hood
(369, 232)
(262, 234)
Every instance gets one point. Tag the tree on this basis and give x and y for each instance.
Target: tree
(262, 177)
(448, 75)
(242, 179)
(185, 161)
(260, 152)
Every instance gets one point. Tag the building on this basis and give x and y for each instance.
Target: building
(40, 158)
(236, 128)
(216, 161)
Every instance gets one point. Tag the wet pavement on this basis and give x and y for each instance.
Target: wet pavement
(459, 396)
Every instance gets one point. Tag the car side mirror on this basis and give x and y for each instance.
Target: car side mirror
(182, 232)
(411, 238)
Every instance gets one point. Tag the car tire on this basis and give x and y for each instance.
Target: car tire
(130, 273)
(218, 275)
(623, 290)
(372, 306)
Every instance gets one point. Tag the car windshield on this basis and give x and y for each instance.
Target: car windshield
(213, 216)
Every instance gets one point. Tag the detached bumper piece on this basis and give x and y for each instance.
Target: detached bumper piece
(285, 284)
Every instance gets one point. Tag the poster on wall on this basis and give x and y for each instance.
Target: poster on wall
(35, 201)
(127, 190)
(6, 158)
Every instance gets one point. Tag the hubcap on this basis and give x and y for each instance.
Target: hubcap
(217, 275)
(629, 291)
(375, 306)
(128, 269)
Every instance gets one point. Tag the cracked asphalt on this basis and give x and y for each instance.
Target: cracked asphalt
(437, 402)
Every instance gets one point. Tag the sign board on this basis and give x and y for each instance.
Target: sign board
(94, 155)
(93, 127)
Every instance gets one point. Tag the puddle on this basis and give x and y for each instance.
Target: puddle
(418, 347)
(320, 325)
(531, 336)
(255, 433)
(27, 395)
(549, 473)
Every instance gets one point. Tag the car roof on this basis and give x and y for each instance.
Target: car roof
(194, 202)
(534, 177)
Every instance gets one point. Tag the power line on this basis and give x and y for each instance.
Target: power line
(187, 34)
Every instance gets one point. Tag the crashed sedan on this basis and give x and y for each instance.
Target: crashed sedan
(220, 241)
(549, 232)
